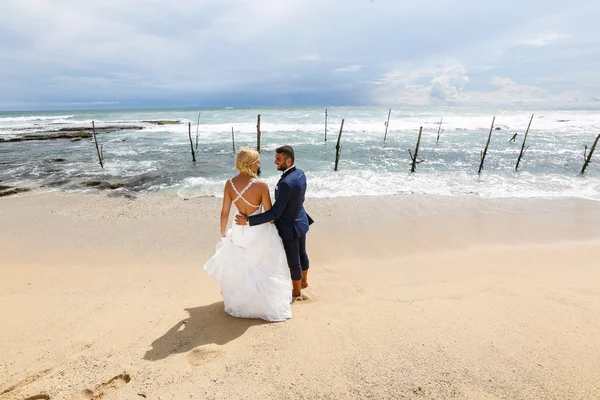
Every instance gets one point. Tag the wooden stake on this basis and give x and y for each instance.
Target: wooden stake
(523, 149)
(589, 157)
(338, 148)
(414, 157)
(191, 142)
(258, 134)
(439, 127)
(387, 124)
(97, 149)
(232, 140)
(197, 126)
(486, 146)
(326, 124)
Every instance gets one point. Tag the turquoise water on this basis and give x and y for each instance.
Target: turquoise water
(158, 159)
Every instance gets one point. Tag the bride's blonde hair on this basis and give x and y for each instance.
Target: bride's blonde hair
(244, 159)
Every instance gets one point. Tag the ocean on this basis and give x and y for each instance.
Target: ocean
(157, 158)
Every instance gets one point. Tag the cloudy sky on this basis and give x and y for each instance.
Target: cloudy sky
(67, 54)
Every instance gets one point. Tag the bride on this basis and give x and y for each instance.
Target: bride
(250, 262)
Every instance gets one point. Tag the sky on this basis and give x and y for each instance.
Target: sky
(76, 54)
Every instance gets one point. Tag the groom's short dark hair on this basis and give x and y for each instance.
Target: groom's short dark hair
(287, 151)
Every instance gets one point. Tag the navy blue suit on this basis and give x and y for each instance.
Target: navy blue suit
(291, 220)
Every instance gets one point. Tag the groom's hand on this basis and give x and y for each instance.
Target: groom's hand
(241, 219)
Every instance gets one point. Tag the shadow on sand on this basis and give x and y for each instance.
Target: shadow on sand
(205, 325)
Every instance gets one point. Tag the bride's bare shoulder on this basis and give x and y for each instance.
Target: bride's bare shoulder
(262, 185)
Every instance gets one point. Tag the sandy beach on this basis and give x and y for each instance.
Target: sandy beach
(414, 297)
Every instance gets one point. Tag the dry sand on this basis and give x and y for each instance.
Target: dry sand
(415, 297)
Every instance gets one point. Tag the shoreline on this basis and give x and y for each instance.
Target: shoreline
(410, 296)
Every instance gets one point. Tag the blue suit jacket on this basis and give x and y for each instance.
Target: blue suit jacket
(288, 210)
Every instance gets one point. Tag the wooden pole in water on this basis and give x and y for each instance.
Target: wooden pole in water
(414, 158)
(197, 126)
(97, 149)
(338, 148)
(523, 148)
(486, 146)
(325, 124)
(232, 140)
(439, 127)
(387, 124)
(191, 141)
(258, 134)
(589, 157)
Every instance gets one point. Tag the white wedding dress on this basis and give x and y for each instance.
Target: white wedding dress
(251, 266)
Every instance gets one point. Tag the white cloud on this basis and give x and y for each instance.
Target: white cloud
(308, 57)
(546, 39)
(448, 86)
(350, 68)
(502, 82)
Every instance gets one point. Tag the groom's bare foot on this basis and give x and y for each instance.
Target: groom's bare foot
(296, 288)
(304, 283)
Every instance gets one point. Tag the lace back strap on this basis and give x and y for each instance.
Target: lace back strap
(240, 195)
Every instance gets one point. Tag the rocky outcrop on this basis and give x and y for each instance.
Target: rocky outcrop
(74, 133)
(163, 122)
(7, 190)
(104, 185)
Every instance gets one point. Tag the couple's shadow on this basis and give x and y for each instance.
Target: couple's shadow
(205, 325)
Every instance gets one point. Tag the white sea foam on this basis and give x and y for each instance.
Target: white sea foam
(157, 158)
(32, 118)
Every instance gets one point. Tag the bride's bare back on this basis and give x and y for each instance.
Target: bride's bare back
(252, 196)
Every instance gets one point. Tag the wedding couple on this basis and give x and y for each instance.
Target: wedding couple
(267, 244)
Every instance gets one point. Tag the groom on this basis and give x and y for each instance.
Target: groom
(290, 218)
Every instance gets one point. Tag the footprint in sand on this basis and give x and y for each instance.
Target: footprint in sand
(103, 389)
(203, 355)
(27, 381)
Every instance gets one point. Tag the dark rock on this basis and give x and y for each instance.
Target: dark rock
(497, 128)
(93, 183)
(57, 183)
(76, 133)
(104, 185)
(76, 140)
(52, 136)
(13, 191)
(101, 129)
(59, 159)
(115, 185)
(2, 187)
(163, 122)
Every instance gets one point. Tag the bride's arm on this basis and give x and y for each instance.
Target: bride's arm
(225, 209)
(266, 198)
